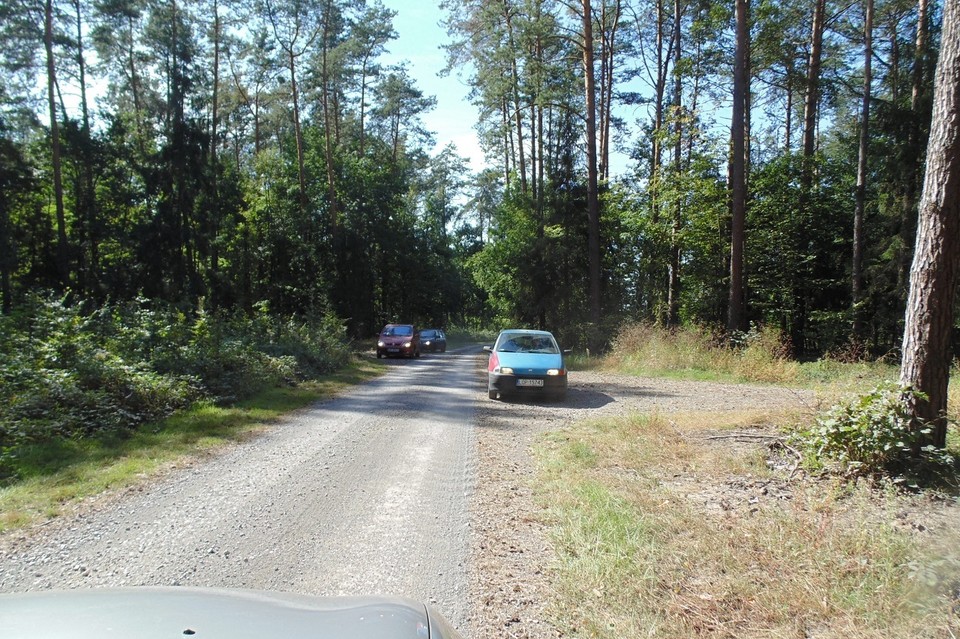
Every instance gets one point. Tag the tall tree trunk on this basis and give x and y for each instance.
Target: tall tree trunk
(534, 179)
(673, 286)
(927, 339)
(327, 120)
(908, 215)
(540, 143)
(659, 91)
(593, 198)
(893, 75)
(86, 208)
(919, 54)
(363, 103)
(290, 49)
(856, 270)
(609, 23)
(297, 130)
(811, 106)
(508, 150)
(736, 311)
(788, 133)
(214, 168)
(7, 252)
(515, 88)
(537, 144)
(748, 107)
(63, 250)
(135, 88)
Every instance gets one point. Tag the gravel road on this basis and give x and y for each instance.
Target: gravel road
(367, 493)
(413, 484)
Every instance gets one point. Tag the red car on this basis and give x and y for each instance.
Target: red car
(398, 340)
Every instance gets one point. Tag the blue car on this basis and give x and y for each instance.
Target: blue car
(526, 362)
(433, 340)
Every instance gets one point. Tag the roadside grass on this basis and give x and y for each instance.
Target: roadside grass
(763, 357)
(664, 528)
(694, 353)
(55, 477)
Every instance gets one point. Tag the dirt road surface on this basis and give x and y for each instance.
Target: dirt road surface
(364, 494)
(414, 484)
(512, 558)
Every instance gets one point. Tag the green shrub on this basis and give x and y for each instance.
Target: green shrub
(318, 345)
(60, 380)
(66, 373)
(872, 435)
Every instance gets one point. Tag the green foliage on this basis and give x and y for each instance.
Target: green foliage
(61, 381)
(798, 252)
(67, 374)
(874, 434)
(316, 345)
(704, 294)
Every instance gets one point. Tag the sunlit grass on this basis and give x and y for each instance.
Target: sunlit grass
(647, 544)
(696, 354)
(55, 476)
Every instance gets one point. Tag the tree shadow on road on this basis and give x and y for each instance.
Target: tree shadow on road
(577, 398)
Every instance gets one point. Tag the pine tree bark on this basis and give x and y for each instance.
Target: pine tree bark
(856, 270)
(928, 331)
(812, 96)
(609, 23)
(328, 115)
(811, 107)
(673, 273)
(908, 214)
(521, 163)
(593, 199)
(736, 313)
(63, 250)
(88, 255)
(214, 164)
(659, 92)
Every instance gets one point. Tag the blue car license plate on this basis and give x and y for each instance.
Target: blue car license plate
(529, 382)
(393, 350)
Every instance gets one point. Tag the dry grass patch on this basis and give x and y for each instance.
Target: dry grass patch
(694, 352)
(680, 527)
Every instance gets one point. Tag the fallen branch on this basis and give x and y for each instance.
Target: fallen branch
(782, 444)
(745, 436)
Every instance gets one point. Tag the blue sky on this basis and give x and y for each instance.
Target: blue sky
(419, 36)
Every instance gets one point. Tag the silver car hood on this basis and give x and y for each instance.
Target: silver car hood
(206, 613)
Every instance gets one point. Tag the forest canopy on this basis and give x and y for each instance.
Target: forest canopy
(254, 156)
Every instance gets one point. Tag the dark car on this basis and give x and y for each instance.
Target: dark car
(161, 613)
(398, 340)
(433, 340)
(526, 362)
